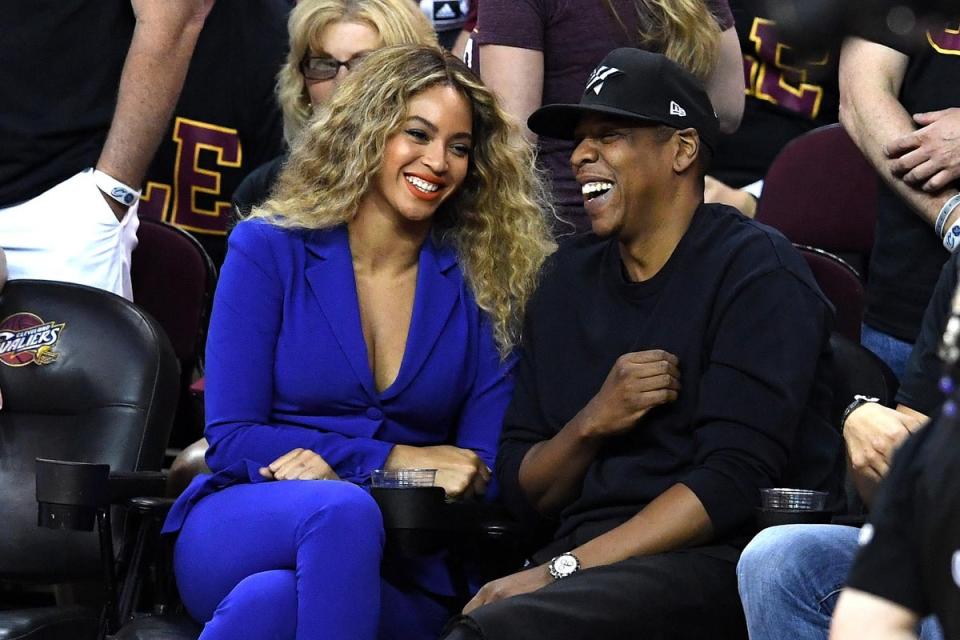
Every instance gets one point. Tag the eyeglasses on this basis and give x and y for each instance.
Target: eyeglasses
(326, 67)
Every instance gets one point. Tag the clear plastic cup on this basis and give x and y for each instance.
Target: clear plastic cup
(793, 499)
(402, 478)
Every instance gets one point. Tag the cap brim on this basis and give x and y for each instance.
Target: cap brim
(560, 120)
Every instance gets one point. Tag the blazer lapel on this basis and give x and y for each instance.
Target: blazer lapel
(438, 290)
(329, 272)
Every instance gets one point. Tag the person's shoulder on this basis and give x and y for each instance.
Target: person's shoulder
(575, 251)
(734, 232)
(749, 248)
(255, 187)
(259, 234)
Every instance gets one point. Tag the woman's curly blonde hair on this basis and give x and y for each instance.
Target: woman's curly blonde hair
(397, 22)
(496, 221)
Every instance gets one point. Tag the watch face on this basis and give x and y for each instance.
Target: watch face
(565, 564)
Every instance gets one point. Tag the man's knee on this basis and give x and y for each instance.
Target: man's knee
(787, 555)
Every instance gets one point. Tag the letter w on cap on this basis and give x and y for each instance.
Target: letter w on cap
(597, 78)
(677, 110)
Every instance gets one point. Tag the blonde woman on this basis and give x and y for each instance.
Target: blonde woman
(365, 318)
(539, 52)
(328, 38)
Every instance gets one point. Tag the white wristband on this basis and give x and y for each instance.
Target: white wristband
(945, 212)
(125, 195)
(951, 240)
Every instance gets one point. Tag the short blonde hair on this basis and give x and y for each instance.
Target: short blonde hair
(496, 221)
(397, 22)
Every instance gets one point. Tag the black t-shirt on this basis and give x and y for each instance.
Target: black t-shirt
(911, 546)
(787, 94)
(740, 309)
(227, 120)
(918, 387)
(60, 70)
(257, 185)
(907, 255)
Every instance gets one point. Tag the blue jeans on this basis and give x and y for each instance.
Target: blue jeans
(791, 576)
(893, 351)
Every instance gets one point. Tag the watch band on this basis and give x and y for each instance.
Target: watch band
(125, 195)
(858, 401)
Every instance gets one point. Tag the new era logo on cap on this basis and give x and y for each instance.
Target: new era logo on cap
(677, 110)
(598, 77)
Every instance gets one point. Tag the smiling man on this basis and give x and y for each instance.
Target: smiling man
(670, 369)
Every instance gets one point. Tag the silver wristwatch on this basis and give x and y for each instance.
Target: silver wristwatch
(563, 566)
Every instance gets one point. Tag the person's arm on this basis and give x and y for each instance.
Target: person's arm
(153, 73)
(725, 82)
(674, 519)
(871, 76)
(872, 434)
(717, 191)
(241, 350)
(552, 471)
(516, 76)
(863, 615)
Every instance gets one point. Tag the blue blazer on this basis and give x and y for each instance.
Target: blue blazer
(286, 363)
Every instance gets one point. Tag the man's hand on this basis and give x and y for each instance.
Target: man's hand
(299, 464)
(460, 472)
(928, 158)
(637, 382)
(717, 191)
(512, 585)
(872, 433)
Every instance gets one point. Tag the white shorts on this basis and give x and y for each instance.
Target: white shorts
(69, 233)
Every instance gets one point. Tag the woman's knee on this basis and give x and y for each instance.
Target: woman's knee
(262, 605)
(341, 506)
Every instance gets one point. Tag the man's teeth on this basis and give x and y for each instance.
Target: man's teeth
(421, 184)
(593, 189)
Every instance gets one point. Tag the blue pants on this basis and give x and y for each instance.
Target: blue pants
(295, 560)
(893, 351)
(791, 576)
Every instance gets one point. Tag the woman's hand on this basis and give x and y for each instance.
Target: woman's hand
(460, 472)
(299, 464)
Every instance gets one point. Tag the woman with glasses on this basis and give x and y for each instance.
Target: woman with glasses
(365, 319)
(328, 38)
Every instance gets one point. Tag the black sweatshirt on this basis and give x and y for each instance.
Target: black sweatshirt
(740, 309)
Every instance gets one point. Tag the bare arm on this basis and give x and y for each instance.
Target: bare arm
(153, 75)
(725, 83)
(674, 519)
(872, 434)
(870, 79)
(862, 615)
(516, 76)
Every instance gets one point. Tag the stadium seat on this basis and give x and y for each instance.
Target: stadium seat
(842, 286)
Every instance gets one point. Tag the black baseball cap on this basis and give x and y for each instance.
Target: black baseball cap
(640, 85)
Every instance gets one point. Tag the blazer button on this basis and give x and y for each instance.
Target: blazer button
(374, 414)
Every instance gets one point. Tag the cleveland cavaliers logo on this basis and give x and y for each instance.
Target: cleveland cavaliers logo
(26, 339)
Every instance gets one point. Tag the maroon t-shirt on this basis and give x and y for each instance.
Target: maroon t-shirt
(574, 36)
